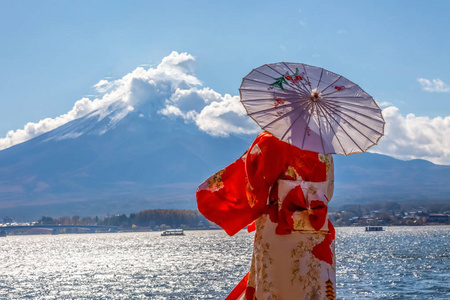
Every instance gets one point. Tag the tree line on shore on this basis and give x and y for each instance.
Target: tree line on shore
(154, 219)
(388, 213)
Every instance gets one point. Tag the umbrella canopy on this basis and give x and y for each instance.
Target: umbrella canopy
(312, 108)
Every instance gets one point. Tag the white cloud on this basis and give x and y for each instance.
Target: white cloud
(194, 99)
(414, 137)
(227, 116)
(384, 104)
(169, 89)
(103, 86)
(434, 85)
(30, 130)
(174, 111)
(101, 83)
(213, 113)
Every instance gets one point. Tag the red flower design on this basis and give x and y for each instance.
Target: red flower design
(298, 78)
(288, 77)
(278, 101)
(339, 88)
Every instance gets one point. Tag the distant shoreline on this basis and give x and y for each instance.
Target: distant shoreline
(23, 233)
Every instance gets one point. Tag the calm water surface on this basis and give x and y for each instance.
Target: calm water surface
(399, 263)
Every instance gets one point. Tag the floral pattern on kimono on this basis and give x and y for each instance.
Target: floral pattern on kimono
(282, 192)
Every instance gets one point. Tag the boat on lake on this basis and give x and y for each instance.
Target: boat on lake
(374, 228)
(171, 232)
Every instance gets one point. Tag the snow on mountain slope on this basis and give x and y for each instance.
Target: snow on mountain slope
(137, 159)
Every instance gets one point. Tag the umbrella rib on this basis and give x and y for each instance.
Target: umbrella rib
(307, 91)
(306, 74)
(331, 85)
(272, 108)
(334, 102)
(300, 92)
(294, 87)
(334, 132)
(294, 99)
(362, 124)
(336, 91)
(254, 90)
(283, 116)
(256, 70)
(292, 123)
(320, 130)
(320, 80)
(339, 124)
(337, 108)
(342, 108)
(258, 81)
(307, 126)
(352, 97)
(342, 113)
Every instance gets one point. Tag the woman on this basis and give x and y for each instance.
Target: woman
(283, 193)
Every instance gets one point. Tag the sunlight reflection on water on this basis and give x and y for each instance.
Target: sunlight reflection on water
(398, 263)
(200, 265)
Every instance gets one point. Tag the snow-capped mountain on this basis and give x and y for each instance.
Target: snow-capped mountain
(150, 139)
(94, 165)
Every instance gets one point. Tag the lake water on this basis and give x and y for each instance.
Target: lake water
(398, 263)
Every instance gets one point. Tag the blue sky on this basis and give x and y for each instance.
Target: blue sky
(52, 53)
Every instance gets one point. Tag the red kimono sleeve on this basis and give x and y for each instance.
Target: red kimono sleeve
(235, 196)
(223, 198)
